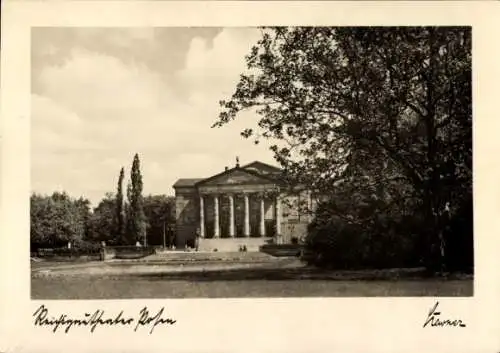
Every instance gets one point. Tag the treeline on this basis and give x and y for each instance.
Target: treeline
(59, 218)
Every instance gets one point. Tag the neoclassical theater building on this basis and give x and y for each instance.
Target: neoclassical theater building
(246, 205)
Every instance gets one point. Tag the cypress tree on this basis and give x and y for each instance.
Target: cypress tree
(119, 209)
(129, 218)
(136, 218)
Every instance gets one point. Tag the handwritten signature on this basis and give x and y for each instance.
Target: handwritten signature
(98, 318)
(434, 321)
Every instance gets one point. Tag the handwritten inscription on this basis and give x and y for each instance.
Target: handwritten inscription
(434, 320)
(146, 319)
(99, 318)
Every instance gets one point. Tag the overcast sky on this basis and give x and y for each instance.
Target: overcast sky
(101, 95)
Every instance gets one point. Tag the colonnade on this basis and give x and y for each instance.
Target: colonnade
(246, 222)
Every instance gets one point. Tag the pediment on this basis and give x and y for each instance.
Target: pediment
(235, 177)
(262, 168)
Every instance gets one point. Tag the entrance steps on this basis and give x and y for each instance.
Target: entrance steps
(206, 256)
(252, 244)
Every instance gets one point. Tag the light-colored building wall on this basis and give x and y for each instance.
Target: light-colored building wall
(186, 210)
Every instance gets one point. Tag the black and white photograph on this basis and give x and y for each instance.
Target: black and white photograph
(232, 162)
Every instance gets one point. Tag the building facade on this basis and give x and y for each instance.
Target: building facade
(246, 205)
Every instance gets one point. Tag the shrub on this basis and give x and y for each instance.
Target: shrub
(286, 250)
(82, 245)
(338, 244)
(131, 252)
(459, 240)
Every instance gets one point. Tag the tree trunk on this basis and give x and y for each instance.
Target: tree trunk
(432, 202)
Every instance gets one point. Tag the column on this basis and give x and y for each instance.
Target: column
(278, 217)
(262, 216)
(202, 217)
(216, 216)
(246, 230)
(231, 215)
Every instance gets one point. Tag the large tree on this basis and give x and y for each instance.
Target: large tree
(159, 210)
(57, 219)
(102, 221)
(136, 219)
(83, 207)
(395, 101)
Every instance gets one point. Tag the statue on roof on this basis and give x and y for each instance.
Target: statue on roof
(237, 161)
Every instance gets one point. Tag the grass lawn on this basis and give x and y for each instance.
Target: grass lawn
(102, 281)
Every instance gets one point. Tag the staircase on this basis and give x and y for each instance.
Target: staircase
(201, 256)
(252, 244)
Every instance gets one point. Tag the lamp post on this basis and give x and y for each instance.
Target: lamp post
(164, 244)
(171, 239)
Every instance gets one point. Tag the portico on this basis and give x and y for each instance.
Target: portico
(264, 200)
(237, 206)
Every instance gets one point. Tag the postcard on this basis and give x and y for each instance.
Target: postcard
(250, 176)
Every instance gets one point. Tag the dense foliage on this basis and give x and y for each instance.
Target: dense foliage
(379, 122)
(160, 214)
(103, 224)
(59, 219)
